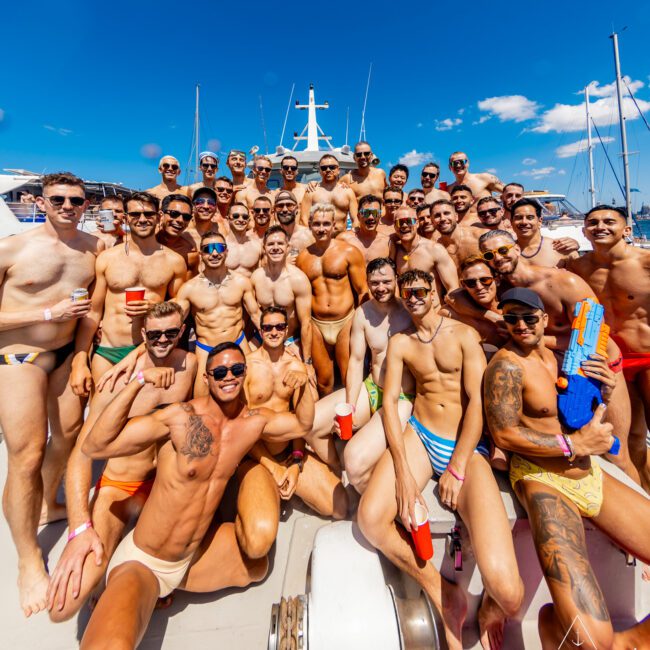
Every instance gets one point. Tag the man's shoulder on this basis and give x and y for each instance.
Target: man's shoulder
(505, 360)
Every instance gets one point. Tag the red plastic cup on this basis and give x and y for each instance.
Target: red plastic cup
(135, 293)
(422, 533)
(443, 186)
(344, 418)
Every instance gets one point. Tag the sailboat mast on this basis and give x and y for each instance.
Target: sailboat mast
(197, 142)
(590, 151)
(619, 95)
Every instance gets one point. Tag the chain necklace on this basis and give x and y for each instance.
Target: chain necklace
(541, 241)
(434, 334)
(215, 284)
(409, 253)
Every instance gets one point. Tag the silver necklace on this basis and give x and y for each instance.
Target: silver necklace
(434, 334)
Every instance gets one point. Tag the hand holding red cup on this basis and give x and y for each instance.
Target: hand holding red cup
(134, 293)
(344, 413)
(421, 533)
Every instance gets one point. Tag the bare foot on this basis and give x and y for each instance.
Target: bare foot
(32, 587)
(491, 621)
(454, 610)
(50, 514)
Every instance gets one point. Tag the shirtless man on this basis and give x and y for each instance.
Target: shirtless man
(262, 208)
(554, 476)
(366, 237)
(415, 198)
(126, 482)
(204, 210)
(216, 297)
(236, 163)
(116, 236)
(224, 191)
(430, 174)
(329, 190)
(526, 221)
(393, 201)
(510, 194)
(209, 164)
(175, 543)
(289, 172)
(244, 250)
(175, 215)
(261, 173)
(463, 200)
(365, 179)
(398, 177)
(39, 269)
(410, 251)
(481, 184)
(285, 210)
(335, 271)
(278, 470)
(281, 284)
(618, 274)
(459, 240)
(140, 262)
(442, 438)
(169, 169)
(426, 228)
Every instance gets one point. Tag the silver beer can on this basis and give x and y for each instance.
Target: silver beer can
(79, 294)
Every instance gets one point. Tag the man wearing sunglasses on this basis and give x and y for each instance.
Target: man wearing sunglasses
(463, 200)
(285, 210)
(175, 216)
(329, 190)
(428, 177)
(170, 170)
(140, 262)
(205, 215)
(442, 439)
(555, 477)
(393, 200)
(236, 163)
(336, 272)
(244, 249)
(366, 237)
(415, 198)
(526, 221)
(289, 172)
(39, 269)
(209, 165)
(116, 236)
(276, 471)
(458, 240)
(262, 209)
(262, 168)
(283, 284)
(216, 299)
(410, 251)
(177, 543)
(225, 193)
(481, 184)
(365, 179)
(168, 373)
(617, 272)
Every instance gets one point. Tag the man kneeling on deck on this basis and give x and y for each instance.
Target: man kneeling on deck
(555, 479)
(443, 437)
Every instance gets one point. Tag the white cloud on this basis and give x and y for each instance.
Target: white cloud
(570, 150)
(564, 118)
(482, 119)
(491, 170)
(528, 161)
(461, 111)
(415, 158)
(609, 90)
(448, 123)
(515, 108)
(56, 129)
(537, 173)
(561, 172)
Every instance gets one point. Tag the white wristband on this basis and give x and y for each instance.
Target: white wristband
(140, 378)
(47, 314)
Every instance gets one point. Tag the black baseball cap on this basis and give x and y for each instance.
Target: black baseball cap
(205, 190)
(523, 296)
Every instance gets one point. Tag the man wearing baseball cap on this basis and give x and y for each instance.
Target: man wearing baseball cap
(553, 474)
(209, 165)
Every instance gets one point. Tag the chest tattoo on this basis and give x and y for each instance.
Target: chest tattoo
(198, 439)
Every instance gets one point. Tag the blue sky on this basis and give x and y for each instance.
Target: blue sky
(93, 83)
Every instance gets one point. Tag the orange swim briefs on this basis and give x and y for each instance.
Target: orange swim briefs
(130, 487)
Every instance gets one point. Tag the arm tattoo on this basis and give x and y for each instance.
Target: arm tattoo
(503, 402)
(198, 438)
(560, 541)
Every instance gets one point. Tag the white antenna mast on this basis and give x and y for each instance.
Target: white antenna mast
(590, 152)
(347, 125)
(197, 144)
(362, 132)
(266, 142)
(286, 117)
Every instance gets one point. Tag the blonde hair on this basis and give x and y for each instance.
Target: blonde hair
(322, 207)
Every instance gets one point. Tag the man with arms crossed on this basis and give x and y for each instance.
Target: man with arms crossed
(365, 236)
(430, 174)
(140, 262)
(281, 284)
(39, 269)
(443, 437)
(175, 543)
(618, 274)
(261, 173)
(554, 476)
(285, 210)
(125, 482)
(244, 249)
(277, 470)
(365, 179)
(175, 215)
(330, 191)
(334, 269)
(289, 172)
(169, 169)
(481, 184)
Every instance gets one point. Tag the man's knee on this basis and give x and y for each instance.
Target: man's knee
(372, 521)
(509, 593)
(26, 459)
(255, 539)
(358, 469)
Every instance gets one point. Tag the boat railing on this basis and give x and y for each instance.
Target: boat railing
(30, 212)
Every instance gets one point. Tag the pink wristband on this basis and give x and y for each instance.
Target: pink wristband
(563, 445)
(296, 453)
(80, 529)
(458, 477)
(140, 378)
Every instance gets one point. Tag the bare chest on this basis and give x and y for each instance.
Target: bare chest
(266, 387)
(274, 292)
(151, 271)
(337, 196)
(208, 298)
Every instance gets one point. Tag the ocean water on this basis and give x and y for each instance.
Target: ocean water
(642, 228)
